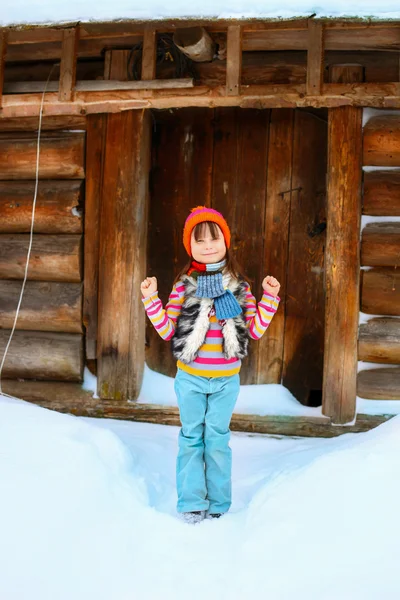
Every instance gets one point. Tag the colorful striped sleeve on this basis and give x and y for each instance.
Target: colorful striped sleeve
(164, 320)
(259, 317)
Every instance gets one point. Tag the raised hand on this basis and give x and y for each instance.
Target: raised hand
(271, 285)
(148, 286)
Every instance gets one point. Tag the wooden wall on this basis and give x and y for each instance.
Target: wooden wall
(379, 338)
(48, 340)
(265, 171)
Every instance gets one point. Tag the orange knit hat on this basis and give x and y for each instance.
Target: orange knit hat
(199, 214)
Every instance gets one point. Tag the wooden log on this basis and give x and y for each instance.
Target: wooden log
(234, 60)
(3, 51)
(58, 206)
(263, 96)
(149, 54)
(342, 263)
(95, 145)
(53, 257)
(46, 306)
(380, 245)
(381, 193)
(379, 341)
(381, 143)
(123, 241)
(61, 155)
(42, 355)
(379, 384)
(315, 57)
(380, 291)
(50, 123)
(71, 398)
(68, 64)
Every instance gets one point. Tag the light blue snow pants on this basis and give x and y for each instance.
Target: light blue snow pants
(204, 461)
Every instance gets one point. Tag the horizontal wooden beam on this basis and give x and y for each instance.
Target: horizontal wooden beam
(264, 96)
(29, 87)
(71, 398)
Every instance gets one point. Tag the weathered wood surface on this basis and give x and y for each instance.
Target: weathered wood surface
(44, 43)
(61, 155)
(379, 341)
(68, 64)
(181, 178)
(304, 277)
(234, 60)
(380, 245)
(42, 355)
(381, 143)
(315, 57)
(380, 291)
(71, 398)
(381, 195)
(96, 135)
(122, 251)
(344, 73)
(258, 67)
(3, 51)
(149, 53)
(53, 257)
(58, 206)
(269, 367)
(380, 95)
(379, 384)
(46, 306)
(50, 123)
(342, 263)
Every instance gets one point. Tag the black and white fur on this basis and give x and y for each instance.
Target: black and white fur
(193, 322)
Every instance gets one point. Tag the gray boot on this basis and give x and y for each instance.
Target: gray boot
(193, 517)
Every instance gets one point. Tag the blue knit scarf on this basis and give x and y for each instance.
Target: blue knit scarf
(210, 285)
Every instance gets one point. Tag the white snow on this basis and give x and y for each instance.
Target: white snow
(57, 11)
(87, 511)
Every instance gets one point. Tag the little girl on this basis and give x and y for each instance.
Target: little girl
(209, 317)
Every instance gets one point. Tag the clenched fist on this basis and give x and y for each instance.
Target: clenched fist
(271, 285)
(148, 286)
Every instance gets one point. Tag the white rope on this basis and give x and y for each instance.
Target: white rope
(30, 239)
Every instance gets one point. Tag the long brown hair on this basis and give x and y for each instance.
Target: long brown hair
(232, 265)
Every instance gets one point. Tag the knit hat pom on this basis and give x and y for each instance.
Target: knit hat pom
(200, 214)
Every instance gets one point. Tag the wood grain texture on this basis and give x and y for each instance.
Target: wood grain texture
(381, 193)
(304, 278)
(380, 245)
(379, 341)
(69, 51)
(95, 149)
(122, 255)
(61, 155)
(342, 263)
(58, 208)
(381, 141)
(315, 57)
(380, 291)
(53, 257)
(46, 306)
(379, 384)
(43, 355)
(234, 60)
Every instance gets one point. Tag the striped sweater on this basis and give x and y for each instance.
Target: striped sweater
(210, 360)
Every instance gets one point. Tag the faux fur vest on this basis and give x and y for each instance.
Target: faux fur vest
(193, 322)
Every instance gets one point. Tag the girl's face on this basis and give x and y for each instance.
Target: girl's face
(207, 249)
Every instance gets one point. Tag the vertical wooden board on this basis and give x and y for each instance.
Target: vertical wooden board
(342, 262)
(305, 294)
(239, 190)
(277, 218)
(95, 141)
(120, 353)
(182, 149)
